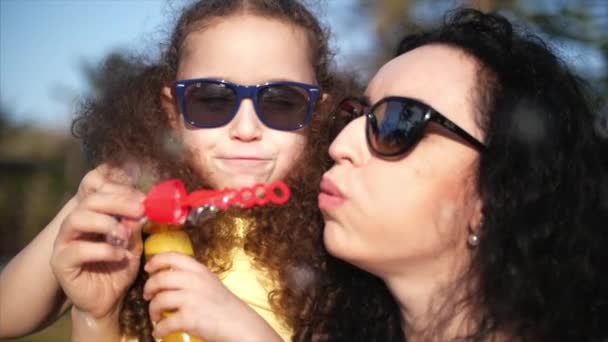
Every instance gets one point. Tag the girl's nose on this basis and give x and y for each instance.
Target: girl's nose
(246, 125)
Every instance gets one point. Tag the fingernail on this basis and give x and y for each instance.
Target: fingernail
(114, 238)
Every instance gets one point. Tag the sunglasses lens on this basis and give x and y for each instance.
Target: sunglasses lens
(209, 104)
(284, 107)
(347, 111)
(395, 126)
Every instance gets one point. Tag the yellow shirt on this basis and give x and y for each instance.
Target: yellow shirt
(248, 284)
(251, 286)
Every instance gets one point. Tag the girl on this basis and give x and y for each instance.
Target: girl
(239, 97)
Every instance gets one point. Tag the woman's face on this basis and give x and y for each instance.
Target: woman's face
(245, 50)
(413, 212)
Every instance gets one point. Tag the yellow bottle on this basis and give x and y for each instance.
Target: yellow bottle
(169, 238)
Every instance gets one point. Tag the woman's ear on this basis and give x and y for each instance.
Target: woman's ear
(475, 232)
(169, 105)
(477, 217)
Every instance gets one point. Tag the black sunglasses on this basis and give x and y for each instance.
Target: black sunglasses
(395, 124)
(210, 103)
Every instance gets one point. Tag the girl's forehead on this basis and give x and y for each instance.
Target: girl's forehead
(248, 49)
(260, 28)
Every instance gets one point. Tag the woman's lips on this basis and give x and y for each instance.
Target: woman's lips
(330, 195)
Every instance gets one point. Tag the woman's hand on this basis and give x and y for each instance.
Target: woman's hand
(199, 303)
(95, 274)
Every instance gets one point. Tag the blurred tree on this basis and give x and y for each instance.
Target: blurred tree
(580, 25)
(41, 169)
(38, 172)
(3, 123)
(101, 75)
(577, 27)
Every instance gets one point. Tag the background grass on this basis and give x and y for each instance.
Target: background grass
(57, 332)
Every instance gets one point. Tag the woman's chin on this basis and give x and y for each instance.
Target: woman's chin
(335, 240)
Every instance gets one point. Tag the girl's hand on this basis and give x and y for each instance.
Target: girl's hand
(91, 329)
(93, 273)
(199, 303)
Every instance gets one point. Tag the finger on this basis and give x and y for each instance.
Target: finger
(89, 225)
(107, 178)
(164, 301)
(129, 205)
(166, 281)
(92, 181)
(111, 188)
(121, 189)
(175, 322)
(174, 261)
(78, 253)
(124, 174)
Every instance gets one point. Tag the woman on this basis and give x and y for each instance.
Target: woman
(475, 189)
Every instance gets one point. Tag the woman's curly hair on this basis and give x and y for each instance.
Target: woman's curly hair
(543, 181)
(125, 123)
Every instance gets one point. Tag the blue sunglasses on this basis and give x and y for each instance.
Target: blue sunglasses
(210, 103)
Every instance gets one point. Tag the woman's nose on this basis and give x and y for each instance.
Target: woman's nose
(350, 145)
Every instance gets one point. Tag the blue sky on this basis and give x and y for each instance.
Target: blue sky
(43, 43)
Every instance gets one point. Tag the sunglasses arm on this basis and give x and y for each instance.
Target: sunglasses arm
(452, 127)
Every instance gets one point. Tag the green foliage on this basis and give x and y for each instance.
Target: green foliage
(39, 171)
(58, 332)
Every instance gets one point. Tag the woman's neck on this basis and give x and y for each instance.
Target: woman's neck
(433, 299)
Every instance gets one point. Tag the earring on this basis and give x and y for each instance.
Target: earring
(473, 240)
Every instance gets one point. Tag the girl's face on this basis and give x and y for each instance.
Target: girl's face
(413, 213)
(246, 50)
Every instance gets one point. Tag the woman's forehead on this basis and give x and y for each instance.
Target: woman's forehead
(440, 75)
(248, 49)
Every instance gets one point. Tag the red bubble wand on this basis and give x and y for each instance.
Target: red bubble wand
(168, 202)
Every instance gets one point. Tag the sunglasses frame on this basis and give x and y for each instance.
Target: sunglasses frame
(430, 115)
(242, 92)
